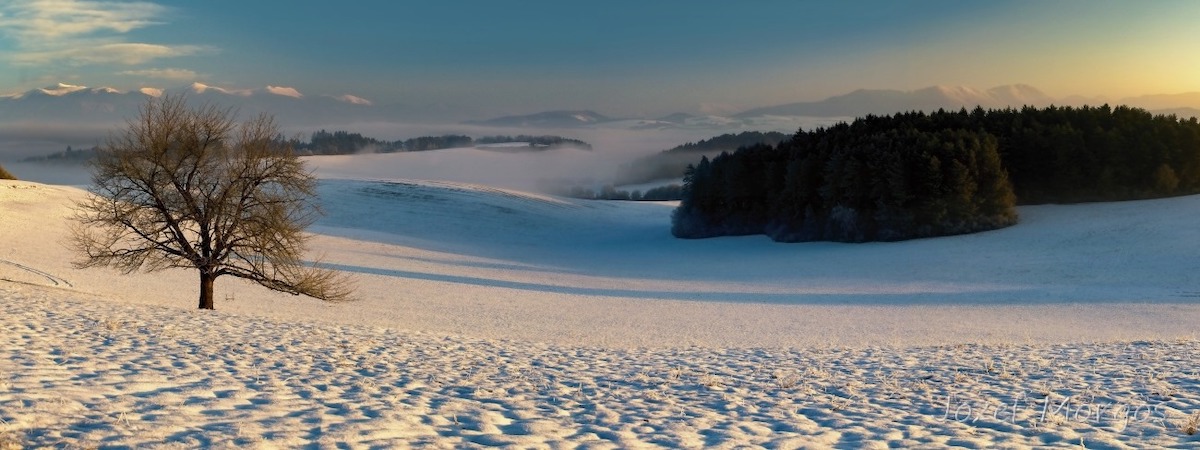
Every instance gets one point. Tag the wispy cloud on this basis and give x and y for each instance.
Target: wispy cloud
(164, 74)
(81, 32)
(126, 53)
(56, 19)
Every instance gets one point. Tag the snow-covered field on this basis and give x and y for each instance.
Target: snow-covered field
(489, 316)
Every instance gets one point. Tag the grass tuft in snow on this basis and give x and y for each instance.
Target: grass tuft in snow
(1190, 424)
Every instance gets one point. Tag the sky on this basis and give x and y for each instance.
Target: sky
(478, 59)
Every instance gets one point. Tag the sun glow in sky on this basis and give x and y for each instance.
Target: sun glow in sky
(618, 57)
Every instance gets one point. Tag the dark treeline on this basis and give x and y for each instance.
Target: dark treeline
(343, 143)
(536, 142)
(610, 192)
(1070, 155)
(915, 175)
(70, 155)
(672, 163)
(730, 141)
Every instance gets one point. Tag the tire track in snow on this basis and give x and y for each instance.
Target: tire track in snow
(58, 281)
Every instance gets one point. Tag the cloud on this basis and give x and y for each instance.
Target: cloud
(284, 91)
(127, 53)
(80, 32)
(165, 74)
(353, 99)
(57, 19)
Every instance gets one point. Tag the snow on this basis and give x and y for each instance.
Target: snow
(491, 315)
(200, 88)
(153, 92)
(81, 371)
(61, 89)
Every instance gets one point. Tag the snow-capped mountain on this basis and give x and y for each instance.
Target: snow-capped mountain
(887, 101)
(789, 117)
(1165, 101)
(856, 103)
(67, 103)
(1018, 94)
(198, 88)
(74, 103)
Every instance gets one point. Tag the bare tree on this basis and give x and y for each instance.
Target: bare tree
(191, 188)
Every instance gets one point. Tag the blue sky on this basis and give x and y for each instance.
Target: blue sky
(618, 57)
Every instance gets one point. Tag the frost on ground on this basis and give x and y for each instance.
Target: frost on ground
(77, 371)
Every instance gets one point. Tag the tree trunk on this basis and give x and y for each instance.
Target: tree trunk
(206, 289)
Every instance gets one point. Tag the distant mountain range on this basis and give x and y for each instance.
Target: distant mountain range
(868, 101)
(548, 119)
(1180, 112)
(66, 103)
(857, 103)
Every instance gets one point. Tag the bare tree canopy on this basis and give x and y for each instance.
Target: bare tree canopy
(192, 188)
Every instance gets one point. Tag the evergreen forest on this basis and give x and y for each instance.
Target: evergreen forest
(914, 174)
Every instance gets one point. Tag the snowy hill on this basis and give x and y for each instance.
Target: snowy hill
(448, 242)
(473, 165)
(494, 316)
(1058, 254)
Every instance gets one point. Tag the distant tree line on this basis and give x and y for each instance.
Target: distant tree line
(343, 142)
(671, 164)
(914, 174)
(610, 192)
(536, 142)
(70, 155)
(730, 141)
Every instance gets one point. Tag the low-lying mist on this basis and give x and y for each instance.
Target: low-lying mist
(612, 146)
(535, 170)
(20, 140)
